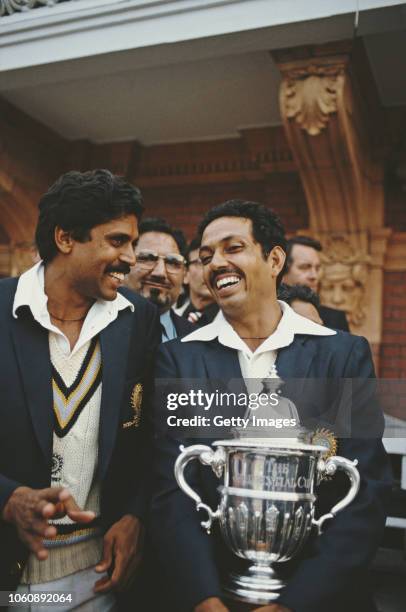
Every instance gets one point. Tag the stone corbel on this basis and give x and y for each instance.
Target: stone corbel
(309, 94)
(327, 128)
(328, 124)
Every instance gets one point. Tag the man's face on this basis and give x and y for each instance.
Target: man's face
(194, 277)
(305, 267)
(97, 268)
(306, 309)
(160, 283)
(234, 268)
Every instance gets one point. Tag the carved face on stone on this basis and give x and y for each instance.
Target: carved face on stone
(342, 287)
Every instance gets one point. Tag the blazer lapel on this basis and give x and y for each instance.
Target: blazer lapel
(114, 342)
(32, 351)
(221, 362)
(223, 367)
(293, 364)
(295, 360)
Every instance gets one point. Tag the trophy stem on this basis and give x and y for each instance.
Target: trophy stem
(259, 585)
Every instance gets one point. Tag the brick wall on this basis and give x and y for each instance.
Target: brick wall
(184, 205)
(4, 239)
(393, 347)
(395, 205)
(182, 181)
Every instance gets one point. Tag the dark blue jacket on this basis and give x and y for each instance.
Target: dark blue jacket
(329, 573)
(334, 318)
(183, 326)
(26, 415)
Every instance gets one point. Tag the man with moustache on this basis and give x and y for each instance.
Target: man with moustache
(200, 308)
(75, 357)
(159, 272)
(242, 252)
(303, 267)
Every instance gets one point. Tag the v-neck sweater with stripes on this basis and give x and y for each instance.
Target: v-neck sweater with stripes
(77, 396)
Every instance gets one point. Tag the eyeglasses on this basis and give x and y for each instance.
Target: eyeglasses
(148, 260)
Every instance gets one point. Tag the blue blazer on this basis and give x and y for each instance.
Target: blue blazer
(329, 573)
(27, 419)
(334, 318)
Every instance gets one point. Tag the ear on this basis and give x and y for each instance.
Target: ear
(186, 277)
(63, 240)
(276, 260)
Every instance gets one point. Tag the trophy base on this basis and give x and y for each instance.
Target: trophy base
(260, 585)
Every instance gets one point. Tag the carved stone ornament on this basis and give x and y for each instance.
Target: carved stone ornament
(309, 95)
(8, 7)
(344, 278)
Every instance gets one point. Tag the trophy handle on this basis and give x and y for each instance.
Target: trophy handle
(207, 456)
(329, 468)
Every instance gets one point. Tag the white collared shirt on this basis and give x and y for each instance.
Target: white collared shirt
(258, 364)
(30, 292)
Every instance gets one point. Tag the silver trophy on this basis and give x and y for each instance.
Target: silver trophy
(267, 503)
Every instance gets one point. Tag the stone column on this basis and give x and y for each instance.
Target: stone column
(330, 111)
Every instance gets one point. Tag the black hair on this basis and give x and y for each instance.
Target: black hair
(193, 245)
(157, 224)
(267, 228)
(290, 293)
(79, 201)
(304, 241)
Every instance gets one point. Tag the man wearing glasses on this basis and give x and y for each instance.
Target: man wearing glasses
(159, 272)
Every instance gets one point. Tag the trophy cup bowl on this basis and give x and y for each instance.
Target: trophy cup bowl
(267, 503)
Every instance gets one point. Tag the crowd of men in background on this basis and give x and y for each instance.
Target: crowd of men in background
(169, 273)
(79, 463)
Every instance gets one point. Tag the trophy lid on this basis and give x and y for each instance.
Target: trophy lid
(302, 441)
(270, 443)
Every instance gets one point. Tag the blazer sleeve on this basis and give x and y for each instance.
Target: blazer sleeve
(184, 551)
(7, 487)
(338, 558)
(138, 503)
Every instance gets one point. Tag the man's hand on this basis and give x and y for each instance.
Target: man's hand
(122, 551)
(30, 510)
(212, 604)
(272, 608)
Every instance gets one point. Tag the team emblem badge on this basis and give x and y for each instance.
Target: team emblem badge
(324, 437)
(136, 401)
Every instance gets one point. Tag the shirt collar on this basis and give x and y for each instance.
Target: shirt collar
(290, 324)
(30, 292)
